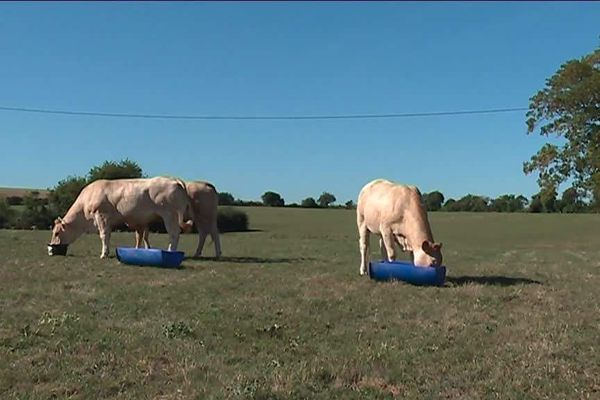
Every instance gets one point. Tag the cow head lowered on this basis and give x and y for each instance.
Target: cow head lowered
(63, 233)
(429, 255)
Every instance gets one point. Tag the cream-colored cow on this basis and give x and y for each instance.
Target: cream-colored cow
(396, 213)
(104, 204)
(204, 201)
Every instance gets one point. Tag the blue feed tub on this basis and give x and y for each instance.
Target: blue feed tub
(152, 257)
(408, 272)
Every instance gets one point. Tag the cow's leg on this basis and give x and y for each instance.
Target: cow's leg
(146, 234)
(363, 243)
(139, 234)
(214, 234)
(201, 239)
(173, 229)
(104, 232)
(384, 255)
(388, 241)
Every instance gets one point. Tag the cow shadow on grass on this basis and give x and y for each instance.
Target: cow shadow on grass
(492, 280)
(251, 260)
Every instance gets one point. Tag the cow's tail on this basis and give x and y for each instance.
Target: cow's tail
(186, 226)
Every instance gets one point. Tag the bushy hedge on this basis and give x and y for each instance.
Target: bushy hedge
(231, 219)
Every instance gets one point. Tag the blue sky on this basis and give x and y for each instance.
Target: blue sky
(283, 59)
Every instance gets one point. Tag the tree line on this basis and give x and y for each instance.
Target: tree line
(570, 202)
(36, 212)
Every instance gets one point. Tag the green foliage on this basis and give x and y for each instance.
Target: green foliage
(350, 204)
(14, 200)
(35, 214)
(124, 169)
(467, 203)
(272, 199)
(508, 203)
(230, 219)
(6, 213)
(225, 199)
(568, 107)
(325, 199)
(570, 201)
(309, 202)
(433, 201)
(449, 205)
(536, 205)
(177, 330)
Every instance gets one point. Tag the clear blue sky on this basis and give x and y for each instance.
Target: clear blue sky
(283, 59)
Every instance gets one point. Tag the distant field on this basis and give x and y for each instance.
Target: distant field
(21, 192)
(285, 315)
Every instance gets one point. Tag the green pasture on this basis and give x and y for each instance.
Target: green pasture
(285, 315)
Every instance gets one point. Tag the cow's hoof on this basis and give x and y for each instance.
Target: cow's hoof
(103, 256)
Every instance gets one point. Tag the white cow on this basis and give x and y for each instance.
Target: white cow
(103, 204)
(204, 201)
(396, 213)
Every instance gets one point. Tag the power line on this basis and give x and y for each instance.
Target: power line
(263, 117)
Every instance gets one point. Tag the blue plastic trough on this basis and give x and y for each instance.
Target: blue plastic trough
(150, 257)
(407, 272)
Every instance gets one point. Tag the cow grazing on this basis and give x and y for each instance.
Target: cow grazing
(103, 204)
(396, 213)
(204, 201)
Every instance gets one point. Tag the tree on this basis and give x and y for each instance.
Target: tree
(449, 205)
(548, 199)
(63, 195)
(325, 199)
(536, 205)
(115, 170)
(272, 199)
(225, 199)
(569, 107)
(433, 201)
(470, 202)
(350, 204)
(570, 201)
(309, 202)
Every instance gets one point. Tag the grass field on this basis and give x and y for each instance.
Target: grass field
(285, 315)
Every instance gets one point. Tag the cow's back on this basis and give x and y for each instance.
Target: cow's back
(382, 201)
(134, 200)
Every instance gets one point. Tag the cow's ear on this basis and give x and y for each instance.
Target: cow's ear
(437, 246)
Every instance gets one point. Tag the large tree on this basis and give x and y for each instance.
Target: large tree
(569, 107)
(272, 199)
(325, 199)
(309, 202)
(115, 170)
(225, 199)
(433, 200)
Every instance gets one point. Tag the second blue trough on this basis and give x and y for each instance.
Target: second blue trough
(150, 257)
(407, 272)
